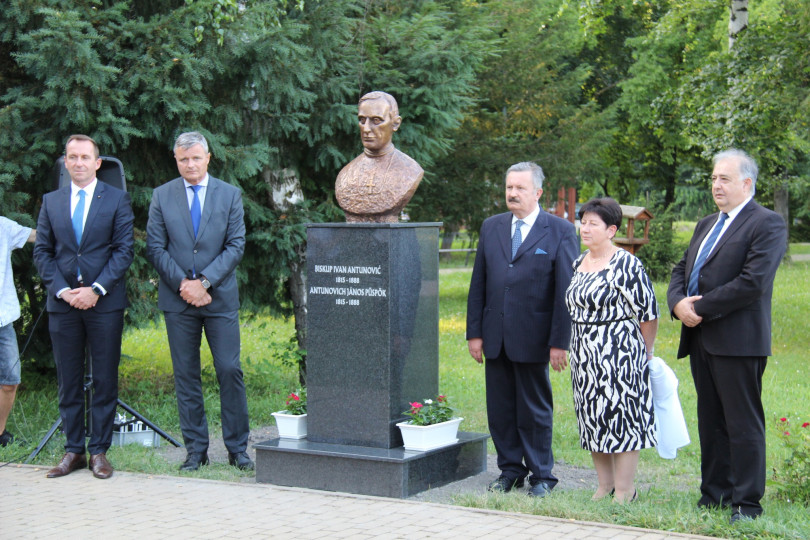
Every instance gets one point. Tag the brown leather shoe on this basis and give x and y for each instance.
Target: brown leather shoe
(100, 466)
(70, 462)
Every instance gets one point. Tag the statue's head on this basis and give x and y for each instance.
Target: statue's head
(378, 117)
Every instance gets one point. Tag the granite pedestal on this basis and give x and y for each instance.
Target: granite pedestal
(384, 472)
(372, 348)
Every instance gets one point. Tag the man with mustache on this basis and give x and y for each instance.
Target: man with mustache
(517, 319)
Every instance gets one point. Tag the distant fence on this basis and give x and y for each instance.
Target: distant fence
(469, 251)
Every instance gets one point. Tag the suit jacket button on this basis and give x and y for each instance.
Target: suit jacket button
(511, 265)
(195, 251)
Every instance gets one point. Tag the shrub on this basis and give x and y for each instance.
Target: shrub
(663, 251)
(791, 479)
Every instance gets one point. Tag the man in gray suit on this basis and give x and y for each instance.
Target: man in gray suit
(195, 237)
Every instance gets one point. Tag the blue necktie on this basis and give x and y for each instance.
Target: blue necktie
(195, 210)
(517, 238)
(692, 288)
(78, 217)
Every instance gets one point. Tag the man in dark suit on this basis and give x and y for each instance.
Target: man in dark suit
(721, 292)
(516, 317)
(195, 237)
(82, 251)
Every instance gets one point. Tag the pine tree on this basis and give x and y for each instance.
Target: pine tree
(272, 84)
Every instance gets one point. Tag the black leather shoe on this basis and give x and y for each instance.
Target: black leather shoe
(194, 460)
(705, 502)
(241, 460)
(6, 438)
(540, 489)
(737, 516)
(504, 484)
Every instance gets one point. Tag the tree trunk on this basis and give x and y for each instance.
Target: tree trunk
(447, 243)
(737, 20)
(297, 283)
(284, 194)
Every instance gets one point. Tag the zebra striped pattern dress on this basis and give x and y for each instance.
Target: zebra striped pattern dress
(609, 369)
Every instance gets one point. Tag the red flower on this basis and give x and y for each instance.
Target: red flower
(294, 397)
(806, 424)
(441, 399)
(783, 419)
(787, 433)
(416, 405)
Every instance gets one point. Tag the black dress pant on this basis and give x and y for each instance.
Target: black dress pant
(71, 333)
(731, 426)
(520, 411)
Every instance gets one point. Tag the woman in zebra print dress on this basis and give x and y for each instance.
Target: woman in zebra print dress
(615, 318)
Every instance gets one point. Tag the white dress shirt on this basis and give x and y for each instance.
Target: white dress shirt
(731, 216)
(200, 194)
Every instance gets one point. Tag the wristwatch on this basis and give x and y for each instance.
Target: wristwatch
(96, 289)
(205, 283)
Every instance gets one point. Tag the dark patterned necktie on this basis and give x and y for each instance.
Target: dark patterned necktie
(517, 238)
(692, 289)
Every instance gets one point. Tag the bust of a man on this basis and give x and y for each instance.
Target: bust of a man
(376, 185)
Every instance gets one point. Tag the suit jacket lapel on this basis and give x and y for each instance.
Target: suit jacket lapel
(62, 217)
(180, 202)
(95, 204)
(699, 236)
(210, 197)
(504, 234)
(735, 225)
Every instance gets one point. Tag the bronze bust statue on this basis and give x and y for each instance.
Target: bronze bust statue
(376, 185)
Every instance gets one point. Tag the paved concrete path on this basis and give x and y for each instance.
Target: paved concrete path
(131, 505)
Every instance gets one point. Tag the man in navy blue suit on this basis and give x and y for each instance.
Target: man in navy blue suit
(82, 251)
(517, 319)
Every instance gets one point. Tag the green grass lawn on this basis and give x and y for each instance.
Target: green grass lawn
(670, 502)
(802, 248)
(146, 384)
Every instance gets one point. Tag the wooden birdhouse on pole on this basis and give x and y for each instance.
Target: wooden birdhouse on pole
(636, 230)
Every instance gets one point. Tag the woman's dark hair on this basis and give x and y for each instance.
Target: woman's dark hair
(606, 208)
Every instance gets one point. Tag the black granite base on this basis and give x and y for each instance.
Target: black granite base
(394, 472)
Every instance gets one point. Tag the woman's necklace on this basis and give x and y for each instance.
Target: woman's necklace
(597, 259)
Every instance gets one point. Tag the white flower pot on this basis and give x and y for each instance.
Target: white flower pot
(429, 437)
(291, 426)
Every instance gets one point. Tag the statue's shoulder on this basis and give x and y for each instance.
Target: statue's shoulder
(404, 159)
(353, 164)
(407, 166)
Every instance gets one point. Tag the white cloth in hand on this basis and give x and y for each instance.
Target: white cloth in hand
(670, 426)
